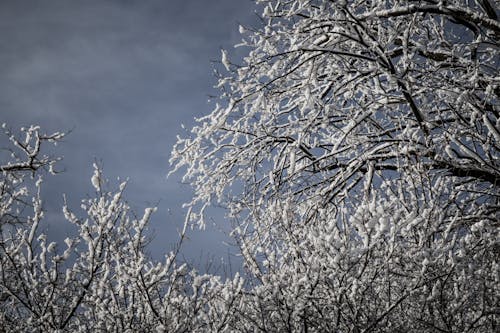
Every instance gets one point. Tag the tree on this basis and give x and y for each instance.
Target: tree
(100, 279)
(356, 150)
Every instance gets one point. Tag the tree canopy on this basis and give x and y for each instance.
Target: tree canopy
(356, 151)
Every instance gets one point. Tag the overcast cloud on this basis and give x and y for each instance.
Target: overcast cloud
(122, 76)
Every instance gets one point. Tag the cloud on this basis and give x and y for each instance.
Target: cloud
(123, 75)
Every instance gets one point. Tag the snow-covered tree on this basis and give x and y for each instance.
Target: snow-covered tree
(356, 150)
(100, 279)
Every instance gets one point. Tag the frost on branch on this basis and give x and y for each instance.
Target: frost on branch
(26, 153)
(356, 149)
(100, 279)
(24, 157)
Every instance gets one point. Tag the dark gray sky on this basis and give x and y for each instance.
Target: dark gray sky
(122, 75)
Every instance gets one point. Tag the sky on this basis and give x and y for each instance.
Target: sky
(121, 76)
